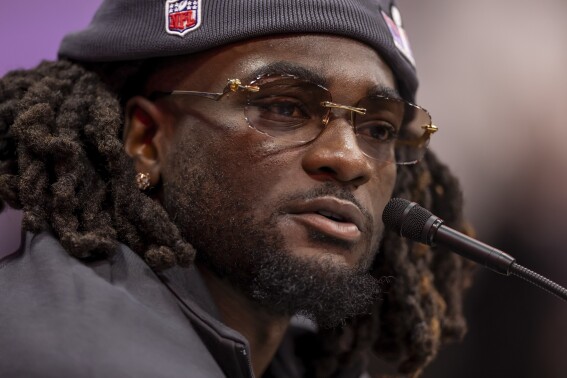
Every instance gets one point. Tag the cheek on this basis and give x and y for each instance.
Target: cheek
(387, 181)
(233, 156)
(381, 188)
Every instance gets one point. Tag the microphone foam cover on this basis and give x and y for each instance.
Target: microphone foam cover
(414, 222)
(393, 213)
(406, 218)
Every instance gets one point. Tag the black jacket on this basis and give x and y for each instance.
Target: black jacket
(61, 317)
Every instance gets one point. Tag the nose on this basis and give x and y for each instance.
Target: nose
(335, 156)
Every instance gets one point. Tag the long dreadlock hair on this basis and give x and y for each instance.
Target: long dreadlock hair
(63, 163)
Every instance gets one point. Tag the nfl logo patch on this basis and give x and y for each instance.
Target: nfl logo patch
(182, 16)
(399, 34)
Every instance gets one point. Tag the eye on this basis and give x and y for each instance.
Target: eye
(287, 109)
(281, 108)
(377, 131)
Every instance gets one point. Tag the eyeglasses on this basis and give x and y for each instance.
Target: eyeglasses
(295, 112)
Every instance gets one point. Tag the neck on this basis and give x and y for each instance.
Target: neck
(264, 331)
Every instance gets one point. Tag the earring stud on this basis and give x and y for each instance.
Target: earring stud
(143, 180)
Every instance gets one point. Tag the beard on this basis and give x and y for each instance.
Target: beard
(318, 290)
(251, 254)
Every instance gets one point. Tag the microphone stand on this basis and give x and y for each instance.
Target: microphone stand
(538, 280)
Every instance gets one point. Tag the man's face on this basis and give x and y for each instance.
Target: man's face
(258, 211)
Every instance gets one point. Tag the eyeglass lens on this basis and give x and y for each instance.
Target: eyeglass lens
(291, 110)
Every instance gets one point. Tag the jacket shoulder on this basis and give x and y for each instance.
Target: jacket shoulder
(61, 317)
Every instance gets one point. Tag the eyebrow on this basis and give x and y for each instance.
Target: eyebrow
(290, 68)
(384, 91)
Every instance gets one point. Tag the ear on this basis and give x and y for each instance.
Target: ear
(145, 137)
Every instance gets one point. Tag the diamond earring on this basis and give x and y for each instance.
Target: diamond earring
(143, 180)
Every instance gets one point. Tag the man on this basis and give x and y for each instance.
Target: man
(202, 185)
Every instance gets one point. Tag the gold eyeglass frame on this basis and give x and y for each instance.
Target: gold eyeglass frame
(235, 85)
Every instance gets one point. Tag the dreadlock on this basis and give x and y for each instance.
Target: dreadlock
(63, 163)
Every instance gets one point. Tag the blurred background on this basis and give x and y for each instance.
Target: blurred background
(493, 77)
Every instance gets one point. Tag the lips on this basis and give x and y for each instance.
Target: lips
(330, 216)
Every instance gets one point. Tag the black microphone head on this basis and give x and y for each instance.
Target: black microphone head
(409, 219)
(393, 214)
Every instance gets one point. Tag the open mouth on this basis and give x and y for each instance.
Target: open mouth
(330, 216)
(329, 224)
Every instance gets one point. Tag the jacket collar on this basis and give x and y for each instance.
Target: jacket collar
(229, 348)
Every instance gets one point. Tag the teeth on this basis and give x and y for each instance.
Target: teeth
(330, 215)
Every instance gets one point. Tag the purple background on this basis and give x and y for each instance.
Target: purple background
(30, 31)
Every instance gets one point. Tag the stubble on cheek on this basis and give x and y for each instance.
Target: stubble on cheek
(208, 187)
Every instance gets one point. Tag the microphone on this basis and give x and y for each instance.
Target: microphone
(412, 221)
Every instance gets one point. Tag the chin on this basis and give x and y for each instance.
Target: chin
(336, 256)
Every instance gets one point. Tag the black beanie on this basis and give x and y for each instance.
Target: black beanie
(138, 29)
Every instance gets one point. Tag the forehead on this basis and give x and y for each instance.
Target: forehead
(335, 60)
